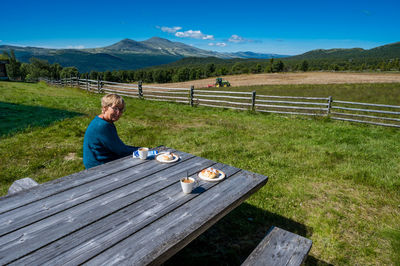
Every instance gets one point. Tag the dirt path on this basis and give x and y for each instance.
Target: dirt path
(292, 78)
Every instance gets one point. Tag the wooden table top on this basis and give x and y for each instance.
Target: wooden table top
(128, 211)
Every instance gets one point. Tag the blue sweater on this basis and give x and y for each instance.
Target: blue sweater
(101, 144)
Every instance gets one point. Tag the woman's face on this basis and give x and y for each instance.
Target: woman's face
(112, 113)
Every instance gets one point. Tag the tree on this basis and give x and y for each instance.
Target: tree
(237, 68)
(183, 74)
(13, 67)
(67, 72)
(38, 68)
(222, 71)
(159, 76)
(93, 75)
(304, 66)
(24, 70)
(210, 69)
(278, 66)
(107, 76)
(55, 71)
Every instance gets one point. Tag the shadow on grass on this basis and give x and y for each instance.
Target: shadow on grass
(231, 240)
(17, 117)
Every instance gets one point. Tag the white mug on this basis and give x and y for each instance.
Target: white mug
(187, 184)
(143, 153)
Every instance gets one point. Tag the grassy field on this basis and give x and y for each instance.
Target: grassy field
(334, 182)
(385, 93)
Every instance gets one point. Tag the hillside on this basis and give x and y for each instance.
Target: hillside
(130, 55)
(388, 51)
(124, 55)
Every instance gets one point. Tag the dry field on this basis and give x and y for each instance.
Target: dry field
(292, 78)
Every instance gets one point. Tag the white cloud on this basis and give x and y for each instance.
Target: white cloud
(236, 39)
(220, 44)
(170, 30)
(195, 34)
(76, 47)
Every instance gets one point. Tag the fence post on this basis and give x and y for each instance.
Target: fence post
(253, 101)
(329, 106)
(191, 94)
(70, 80)
(87, 83)
(98, 84)
(140, 89)
(101, 86)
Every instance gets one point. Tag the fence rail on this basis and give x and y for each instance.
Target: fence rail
(369, 113)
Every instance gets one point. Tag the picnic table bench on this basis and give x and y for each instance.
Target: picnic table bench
(279, 248)
(126, 212)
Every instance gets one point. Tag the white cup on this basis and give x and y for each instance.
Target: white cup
(143, 153)
(187, 184)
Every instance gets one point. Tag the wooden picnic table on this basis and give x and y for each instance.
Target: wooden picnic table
(126, 212)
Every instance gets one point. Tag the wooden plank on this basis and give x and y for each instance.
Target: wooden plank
(304, 103)
(121, 87)
(163, 88)
(219, 101)
(279, 248)
(160, 240)
(166, 97)
(11, 202)
(228, 107)
(131, 85)
(290, 107)
(226, 92)
(128, 93)
(292, 97)
(48, 230)
(23, 216)
(90, 241)
(289, 113)
(367, 116)
(368, 104)
(366, 110)
(223, 96)
(163, 100)
(166, 92)
(47, 189)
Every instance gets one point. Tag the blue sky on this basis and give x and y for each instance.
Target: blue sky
(281, 27)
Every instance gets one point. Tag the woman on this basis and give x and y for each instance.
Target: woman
(101, 143)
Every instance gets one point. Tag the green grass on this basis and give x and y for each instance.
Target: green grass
(384, 93)
(336, 183)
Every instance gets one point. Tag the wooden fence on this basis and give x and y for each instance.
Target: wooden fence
(376, 114)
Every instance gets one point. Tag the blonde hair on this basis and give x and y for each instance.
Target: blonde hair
(112, 99)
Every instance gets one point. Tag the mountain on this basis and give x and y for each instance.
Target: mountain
(253, 55)
(125, 54)
(388, 51)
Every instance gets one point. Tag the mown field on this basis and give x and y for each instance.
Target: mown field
(334, 182)
(294, 78)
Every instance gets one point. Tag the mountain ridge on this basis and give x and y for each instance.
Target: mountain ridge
(129, 54)
(387, 51)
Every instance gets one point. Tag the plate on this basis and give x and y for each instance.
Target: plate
(219, 178)
(158, 158)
